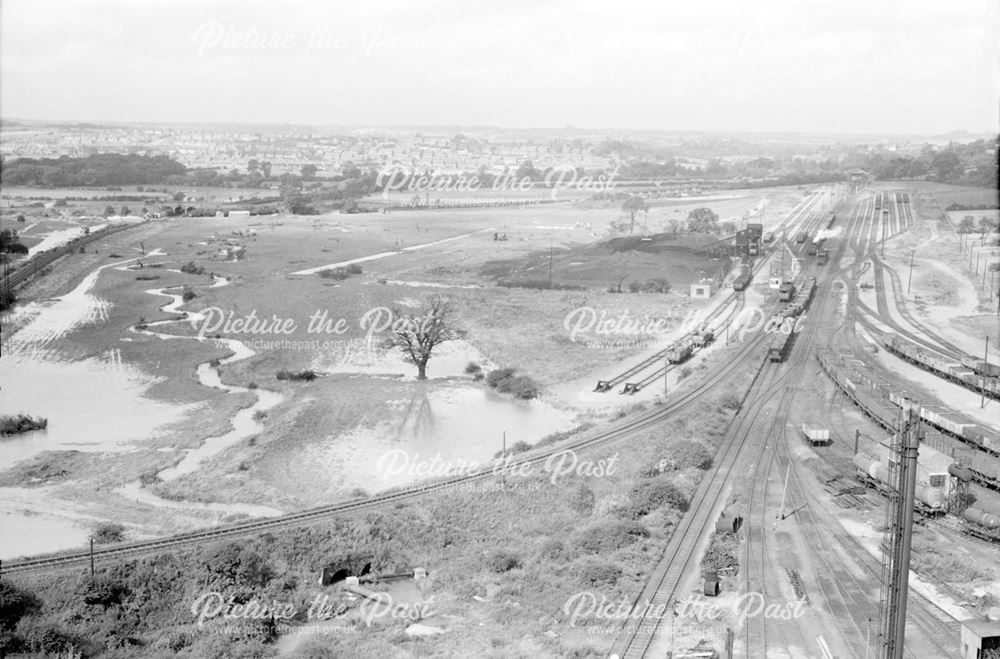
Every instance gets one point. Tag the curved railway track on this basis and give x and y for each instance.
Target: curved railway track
(849, 601)
(799, 214)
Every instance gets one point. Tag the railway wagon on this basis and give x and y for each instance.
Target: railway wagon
(823, 257)
(812, 249)
(941, 442)
(872, 403)
(816, 434)
(945, 419)
(984, 383)
(768, 237)
(802, 237)
(786, 291)
(991, 441)
(778, 347)
(680, 351)
(930, 498)
(702, 338)
(964, 372)
(981, 367)
(953, 424)
(985, 468)
(742, 280)
(917, 354)
(981, 523)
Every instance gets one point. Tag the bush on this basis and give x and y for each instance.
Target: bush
(691, 454)
(472, 368)
(335, 273)
(188, 295)
(341, 273)
(146, 277)
(15, 603)
(106, 532)
(306, 375)
(103, 591)
(192, 269)
(523, 387)
(552, 549)
(20, 423)
(653, 494)
(538, 284)
(502, 560)
(46, 639)
(597, 573)
(608, 536)
(500, 377)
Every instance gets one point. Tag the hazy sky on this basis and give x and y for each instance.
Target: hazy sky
(885, 66)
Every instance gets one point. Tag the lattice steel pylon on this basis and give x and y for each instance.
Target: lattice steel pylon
(901, 482)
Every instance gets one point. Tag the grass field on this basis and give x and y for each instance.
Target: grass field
(511, 327)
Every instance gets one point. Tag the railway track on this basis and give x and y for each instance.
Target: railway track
(637, 636)
(932, 625)
(639, 632)
(42, 260)
(661, 356)
(744, 354)
(793, 218)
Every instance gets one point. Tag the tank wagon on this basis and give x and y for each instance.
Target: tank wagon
(931, 496)
(981, 523)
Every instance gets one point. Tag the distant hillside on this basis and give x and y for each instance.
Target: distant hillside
(98, 169)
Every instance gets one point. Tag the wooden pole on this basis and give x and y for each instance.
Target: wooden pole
(788, 471)
(910, 279)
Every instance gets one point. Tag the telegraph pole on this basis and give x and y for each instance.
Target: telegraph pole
(885, 220)
(550, 266)
(910, 279)
(788, 471)
(986, 358)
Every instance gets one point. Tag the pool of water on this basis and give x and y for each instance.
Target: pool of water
(428, 433)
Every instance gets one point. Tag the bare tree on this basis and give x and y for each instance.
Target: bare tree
(633, 205)
(418, 334)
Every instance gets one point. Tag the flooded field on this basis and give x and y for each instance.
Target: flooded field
(448, 427)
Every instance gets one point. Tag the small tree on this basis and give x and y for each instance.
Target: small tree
(417, 335)
(985, 226)
(967, 225)
(703, 220)
(633, 205)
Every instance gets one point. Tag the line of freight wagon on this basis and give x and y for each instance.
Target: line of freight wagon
(982, 468)
(972, 373)
(785, 321)
(974, 446)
